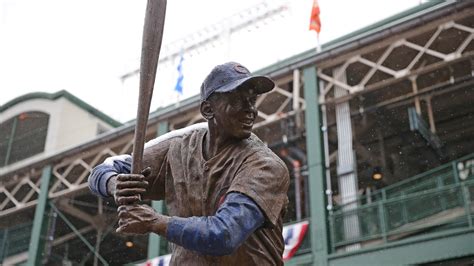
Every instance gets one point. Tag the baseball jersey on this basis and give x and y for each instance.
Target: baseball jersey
(194, 186)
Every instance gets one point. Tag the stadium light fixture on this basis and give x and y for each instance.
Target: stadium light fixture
(377, 173)
(129, 244)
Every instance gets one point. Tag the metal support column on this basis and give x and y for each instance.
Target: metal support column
(327, 160)
(318, 222)
(296, 98)
(154, 241)
(346, 172)
(431, 119)
(414, 86)
(467, 203)
(40, 222)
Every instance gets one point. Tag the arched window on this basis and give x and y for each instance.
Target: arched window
(22, 136)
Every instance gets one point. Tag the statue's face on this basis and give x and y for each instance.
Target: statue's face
(235, 113)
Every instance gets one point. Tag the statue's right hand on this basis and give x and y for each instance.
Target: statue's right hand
(129, 188)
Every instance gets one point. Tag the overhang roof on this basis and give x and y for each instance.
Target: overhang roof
(405, 20)
(62, 93)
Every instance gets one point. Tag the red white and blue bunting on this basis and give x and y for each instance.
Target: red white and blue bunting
(293, 236)
(158, 261)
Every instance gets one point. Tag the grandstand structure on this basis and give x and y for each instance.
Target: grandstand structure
(377, 130)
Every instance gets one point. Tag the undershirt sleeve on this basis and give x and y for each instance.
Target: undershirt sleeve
(101, 174)
(235, 220)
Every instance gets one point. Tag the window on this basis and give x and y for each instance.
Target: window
(22, 136)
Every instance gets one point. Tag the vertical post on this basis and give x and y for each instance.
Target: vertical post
(414, 86)
(454, 165)
(431, 119)
(154, 241)
(346, 162)
(296, 97)
(382, 221)
(332, 228)
(467, 203)
(404, 208)
(296, 89)
(36, 247)
(439, 186)
(3, 245)
(318, 222)
(327, 162)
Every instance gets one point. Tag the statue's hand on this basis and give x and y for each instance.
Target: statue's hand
(141, 219)
(130, 187)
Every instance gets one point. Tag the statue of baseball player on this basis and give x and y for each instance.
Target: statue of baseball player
(225, 191)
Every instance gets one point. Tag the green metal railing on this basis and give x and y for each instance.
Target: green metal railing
(14, 240)
(395, 218)
(447, 174)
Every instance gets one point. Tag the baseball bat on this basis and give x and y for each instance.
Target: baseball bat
(151, 45)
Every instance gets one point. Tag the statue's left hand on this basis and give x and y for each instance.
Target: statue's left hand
(141, 219)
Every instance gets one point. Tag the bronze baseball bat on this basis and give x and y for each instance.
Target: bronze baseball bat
(151, 45)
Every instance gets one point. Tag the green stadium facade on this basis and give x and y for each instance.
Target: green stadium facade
(377, 129)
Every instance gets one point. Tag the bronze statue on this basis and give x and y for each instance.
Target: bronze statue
(226, 192)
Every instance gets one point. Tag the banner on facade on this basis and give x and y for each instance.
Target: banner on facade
(158, 261)
(293, 235)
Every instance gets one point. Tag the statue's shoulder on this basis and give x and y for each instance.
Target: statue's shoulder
(178, 134)
(258, 147)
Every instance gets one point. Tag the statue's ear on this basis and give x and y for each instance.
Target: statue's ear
(206, 110)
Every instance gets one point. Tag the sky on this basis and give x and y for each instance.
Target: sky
(85, 46)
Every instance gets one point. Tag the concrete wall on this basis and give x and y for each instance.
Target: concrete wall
(75, 125)
(69, 125)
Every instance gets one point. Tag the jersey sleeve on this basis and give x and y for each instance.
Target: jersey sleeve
(221, 234)
(265, 179)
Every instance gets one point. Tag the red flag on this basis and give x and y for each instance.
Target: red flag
(315, 22)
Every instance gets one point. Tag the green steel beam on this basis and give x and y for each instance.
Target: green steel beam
(78, 234)
(429, 248)
(3, 245)
(154, 241)
(467, 202)
(314, 147)
(40, 222)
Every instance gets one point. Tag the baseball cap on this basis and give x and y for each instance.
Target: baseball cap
(229, 76)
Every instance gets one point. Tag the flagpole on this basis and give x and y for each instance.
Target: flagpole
(315, 23)
(318, 44)
(177, 100)
(179, 82)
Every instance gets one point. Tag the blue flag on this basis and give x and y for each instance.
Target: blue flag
(179, 82)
